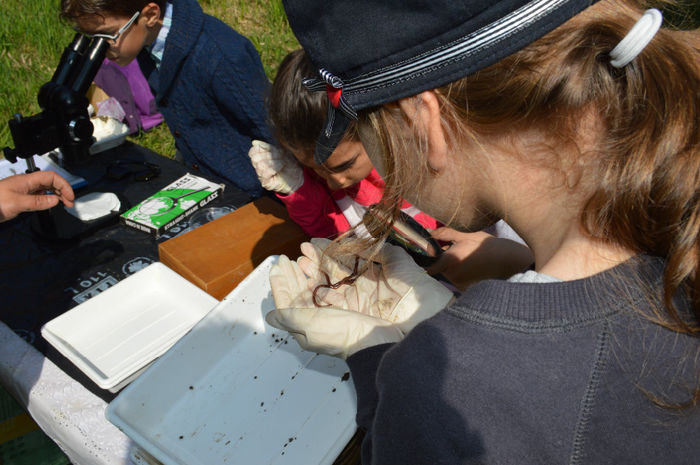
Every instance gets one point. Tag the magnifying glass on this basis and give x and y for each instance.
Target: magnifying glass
(161, 205)
(409, 234)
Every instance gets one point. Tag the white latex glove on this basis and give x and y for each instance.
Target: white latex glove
(276, 171)
(381, 306)
(326, 330)
(333, 331)
(394, 288)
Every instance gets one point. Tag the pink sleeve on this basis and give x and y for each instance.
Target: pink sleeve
(427, 221)
(371, 190)
(312, 207)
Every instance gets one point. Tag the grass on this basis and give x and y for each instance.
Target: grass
(32, 39)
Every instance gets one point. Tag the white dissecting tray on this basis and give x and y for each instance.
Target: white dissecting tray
(235, 390)
(113, 336)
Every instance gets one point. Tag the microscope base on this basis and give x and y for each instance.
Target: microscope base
(57, 225)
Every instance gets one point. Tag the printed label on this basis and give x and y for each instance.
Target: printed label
(95, 289)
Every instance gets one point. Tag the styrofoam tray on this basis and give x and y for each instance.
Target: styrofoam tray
(117, 333)
(235, 390)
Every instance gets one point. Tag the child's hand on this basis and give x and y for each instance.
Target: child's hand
(333, 331)
(379, 306)
(392, 287)
(476, 256)
(276, 171)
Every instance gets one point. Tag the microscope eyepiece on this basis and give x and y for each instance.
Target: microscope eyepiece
(64, 121)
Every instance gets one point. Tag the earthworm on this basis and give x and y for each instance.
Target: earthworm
(350, 279)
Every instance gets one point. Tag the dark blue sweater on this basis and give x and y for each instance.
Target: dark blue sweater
(520, 373)
(211, 90)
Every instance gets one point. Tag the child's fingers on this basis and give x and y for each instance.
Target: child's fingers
(288, 282)
(330, 297)
(310, 269)
(445, 234)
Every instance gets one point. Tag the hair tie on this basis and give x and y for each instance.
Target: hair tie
(639, 36)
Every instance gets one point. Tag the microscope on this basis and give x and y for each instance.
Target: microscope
(64, 122)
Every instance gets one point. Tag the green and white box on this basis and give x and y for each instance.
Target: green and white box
(172, 204)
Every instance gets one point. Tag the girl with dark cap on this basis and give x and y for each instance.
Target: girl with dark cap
(575, 121)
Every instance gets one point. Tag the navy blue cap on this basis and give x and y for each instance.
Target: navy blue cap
(371, 52)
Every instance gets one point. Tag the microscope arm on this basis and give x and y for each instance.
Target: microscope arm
(64, 121)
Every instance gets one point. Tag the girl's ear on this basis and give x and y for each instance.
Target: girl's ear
(151, 14)
(423, 113)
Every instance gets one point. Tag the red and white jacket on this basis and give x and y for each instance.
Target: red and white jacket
(322, 212)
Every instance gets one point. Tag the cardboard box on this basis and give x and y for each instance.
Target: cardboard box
(220, 254)
(172, 204)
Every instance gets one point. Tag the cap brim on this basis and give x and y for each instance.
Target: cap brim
(326, 144)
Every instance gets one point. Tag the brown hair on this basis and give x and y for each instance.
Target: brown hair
(646, 174)
(296, 114)
(74, 9)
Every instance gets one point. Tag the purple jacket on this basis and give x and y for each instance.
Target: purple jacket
(128, 85)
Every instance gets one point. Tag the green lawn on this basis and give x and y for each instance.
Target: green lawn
(32, 39)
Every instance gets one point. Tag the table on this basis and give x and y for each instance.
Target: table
(40, 279)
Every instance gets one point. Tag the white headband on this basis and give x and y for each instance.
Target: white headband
(638, 38)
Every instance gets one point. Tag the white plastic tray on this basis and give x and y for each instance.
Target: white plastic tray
(235, 390)
(117, 333)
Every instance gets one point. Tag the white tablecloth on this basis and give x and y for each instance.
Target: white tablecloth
(68, 413)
